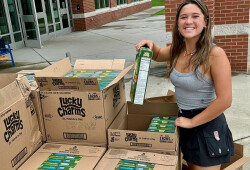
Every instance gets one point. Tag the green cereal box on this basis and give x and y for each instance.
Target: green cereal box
(162, 121)
(103, 77)
(140, 75)
(161, 130)
(161, 126)
(163, 118)
(60, 161)
(133, 165)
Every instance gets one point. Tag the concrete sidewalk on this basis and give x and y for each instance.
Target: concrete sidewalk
(117, 40)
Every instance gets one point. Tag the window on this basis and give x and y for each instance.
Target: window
(14, 20)
(13, 16)
(119, 2)
(134, 0)
(48, 12)
(26, 6)
(62, 4)
(65, 21)
(101, 4)
(39, 7)
(3, 21)
(56, 13)
(42, 27)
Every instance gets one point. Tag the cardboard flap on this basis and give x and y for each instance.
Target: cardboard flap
(72, 149)
(122, 74)
(67, 84)
(33, 84)
(239, 149)
(24, 86)
(156, 158)
(237, 164)
(6, 79)
(116, 64)
(151, 108)
(170, 98)
(139, 122)
(9, 95)
(120, 122)
(57, 69)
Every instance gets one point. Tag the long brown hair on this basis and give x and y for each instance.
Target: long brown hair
(203, 45)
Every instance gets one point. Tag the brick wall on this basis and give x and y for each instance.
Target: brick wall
(231, 12)
(232, 19)
(171, 7)
(236, 48)
(85, 6)
(83, 24)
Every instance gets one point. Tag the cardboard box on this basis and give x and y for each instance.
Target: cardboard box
(129, 131)
(238, 160)
(74, 108)
(86, 157)
(35, 98)
(140, 75)
(159, 161)
(20, 135)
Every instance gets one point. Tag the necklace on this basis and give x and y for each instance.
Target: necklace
(190, 54)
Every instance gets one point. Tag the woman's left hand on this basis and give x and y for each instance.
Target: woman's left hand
(184, 122)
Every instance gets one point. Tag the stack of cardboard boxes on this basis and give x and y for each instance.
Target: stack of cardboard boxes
(67, 128)
(79, 122)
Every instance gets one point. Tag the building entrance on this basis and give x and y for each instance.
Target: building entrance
(31, 22)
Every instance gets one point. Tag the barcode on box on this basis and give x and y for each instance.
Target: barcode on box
(117, 152)
(18, 157)
(75, 136)
(141, 144)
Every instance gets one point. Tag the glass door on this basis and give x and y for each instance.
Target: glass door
(31, 29)
(56, 15)
(65, 16)
(56, 18)
(50, 19)
(15, 24)
(41, 19)
(4, 24)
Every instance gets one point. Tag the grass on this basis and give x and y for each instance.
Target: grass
(158, 3)
(161, 12)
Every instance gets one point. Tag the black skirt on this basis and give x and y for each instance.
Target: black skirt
(208, 144)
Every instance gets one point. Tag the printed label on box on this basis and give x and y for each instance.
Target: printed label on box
(60, 161)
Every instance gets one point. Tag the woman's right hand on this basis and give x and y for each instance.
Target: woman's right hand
(149, 43)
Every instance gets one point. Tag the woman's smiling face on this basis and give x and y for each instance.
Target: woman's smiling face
(191, 21)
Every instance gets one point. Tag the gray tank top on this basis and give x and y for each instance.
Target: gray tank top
(192, 91)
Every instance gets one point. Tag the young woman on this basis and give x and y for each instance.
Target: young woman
(201, 74)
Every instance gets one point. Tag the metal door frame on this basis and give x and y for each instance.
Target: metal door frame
(30, 43)
(65, 11)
